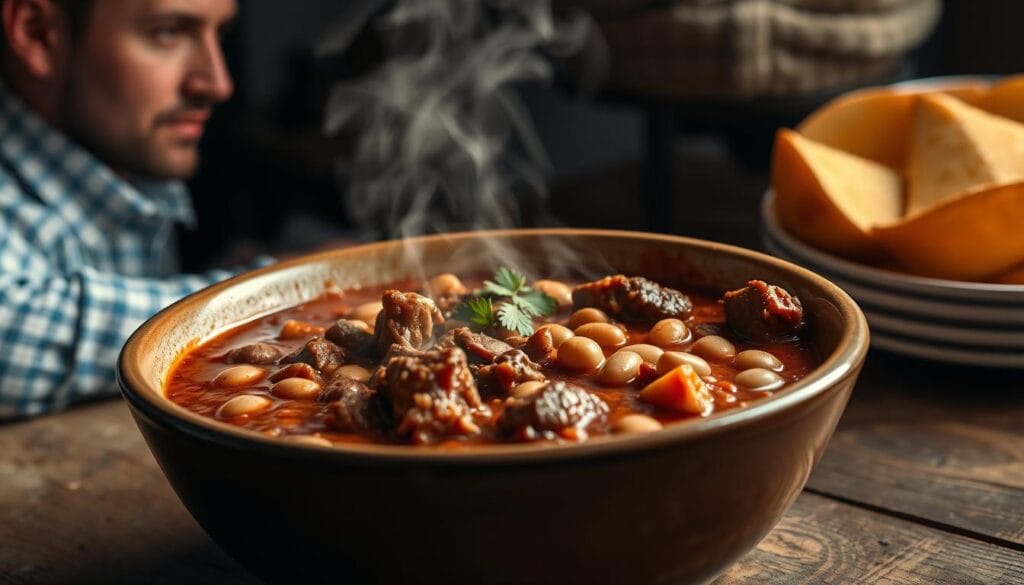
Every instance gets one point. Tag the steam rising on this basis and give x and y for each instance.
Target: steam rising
(444, 142)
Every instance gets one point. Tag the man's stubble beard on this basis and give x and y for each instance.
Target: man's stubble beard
(141, 155)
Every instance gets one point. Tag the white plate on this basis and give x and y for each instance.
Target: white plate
(944, 320)
(920, 286)
(875, 297)
(1013, 359)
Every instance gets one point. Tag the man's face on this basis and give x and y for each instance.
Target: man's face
(142, 80)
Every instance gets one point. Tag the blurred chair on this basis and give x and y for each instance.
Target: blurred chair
(739, 68)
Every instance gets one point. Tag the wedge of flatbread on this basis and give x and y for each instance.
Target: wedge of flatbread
(830, 198)
(874, 123)
(974, 237)
(956, 148)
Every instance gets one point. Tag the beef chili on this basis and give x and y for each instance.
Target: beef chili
(445, 363)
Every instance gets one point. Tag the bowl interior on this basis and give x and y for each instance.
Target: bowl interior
(836, 324)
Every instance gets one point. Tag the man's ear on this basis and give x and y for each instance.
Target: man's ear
(36, 33)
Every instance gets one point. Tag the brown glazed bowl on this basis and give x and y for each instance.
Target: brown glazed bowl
(675, 506)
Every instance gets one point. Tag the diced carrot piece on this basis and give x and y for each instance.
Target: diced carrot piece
(293, 329)
(680, 389)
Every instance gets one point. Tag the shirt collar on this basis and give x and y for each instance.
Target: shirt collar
(56, 170)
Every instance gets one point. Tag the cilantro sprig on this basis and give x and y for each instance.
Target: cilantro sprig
(505, 301)
(476, 311)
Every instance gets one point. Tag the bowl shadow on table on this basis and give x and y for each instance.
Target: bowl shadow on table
(928, 384)
(938, 444)
(193, 563)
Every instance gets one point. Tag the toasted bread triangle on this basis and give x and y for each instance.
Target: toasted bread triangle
(874, 123)
(974, 237)
(956, 148)
(831, 198)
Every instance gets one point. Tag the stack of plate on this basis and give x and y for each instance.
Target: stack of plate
(945, 320)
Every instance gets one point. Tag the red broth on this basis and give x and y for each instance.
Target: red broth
(191, 381)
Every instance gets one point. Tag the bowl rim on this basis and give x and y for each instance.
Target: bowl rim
(150, 401)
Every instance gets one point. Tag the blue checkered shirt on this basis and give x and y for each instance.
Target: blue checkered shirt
(85, 257)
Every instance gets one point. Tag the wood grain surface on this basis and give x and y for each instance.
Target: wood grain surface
(83, 501)
(938, 443)
(824, 541)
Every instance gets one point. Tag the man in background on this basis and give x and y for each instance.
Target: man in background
(102, 107)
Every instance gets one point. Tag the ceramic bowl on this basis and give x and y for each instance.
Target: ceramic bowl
(675, 506)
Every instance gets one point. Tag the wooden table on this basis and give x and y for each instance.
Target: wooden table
(923, 482)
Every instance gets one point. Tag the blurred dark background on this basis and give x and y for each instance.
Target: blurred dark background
(268, 180)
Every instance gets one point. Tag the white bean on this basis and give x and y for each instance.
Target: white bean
(587, 315)
(605, 334)
(293, 329)
(581, 354)
(296, 388)
(353, 371)
(620, 368)
(446, 284)
(668, 332)
(650, 353)
(236, 376)
(671, 360)
(367, 312)
(759, 379)
(559, 333)
(557, 290)
(756, 358)
(244, 404)
(636, 423)
(713, 347)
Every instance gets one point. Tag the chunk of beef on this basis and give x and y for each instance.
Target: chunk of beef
(407, 319)
(352, 406)
(254, 353)
(516, 341)
(446, 340)
(297, 370)
(319, 353)
(377, 375)
(295, 329)
(540, 345)
(483, 346)
(352, 336)
(632, 299)
(396, 350)
(647, 373)
(337, 385)
(557, 410)
(479, 348)
(509, 369)
(763, 312)
(433, 395)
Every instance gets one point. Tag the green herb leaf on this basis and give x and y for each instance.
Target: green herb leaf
(512, 317)
(510, 280)
(496, 289)
(519, 303)
(476, 311)
(522, 305)
(536, 303)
